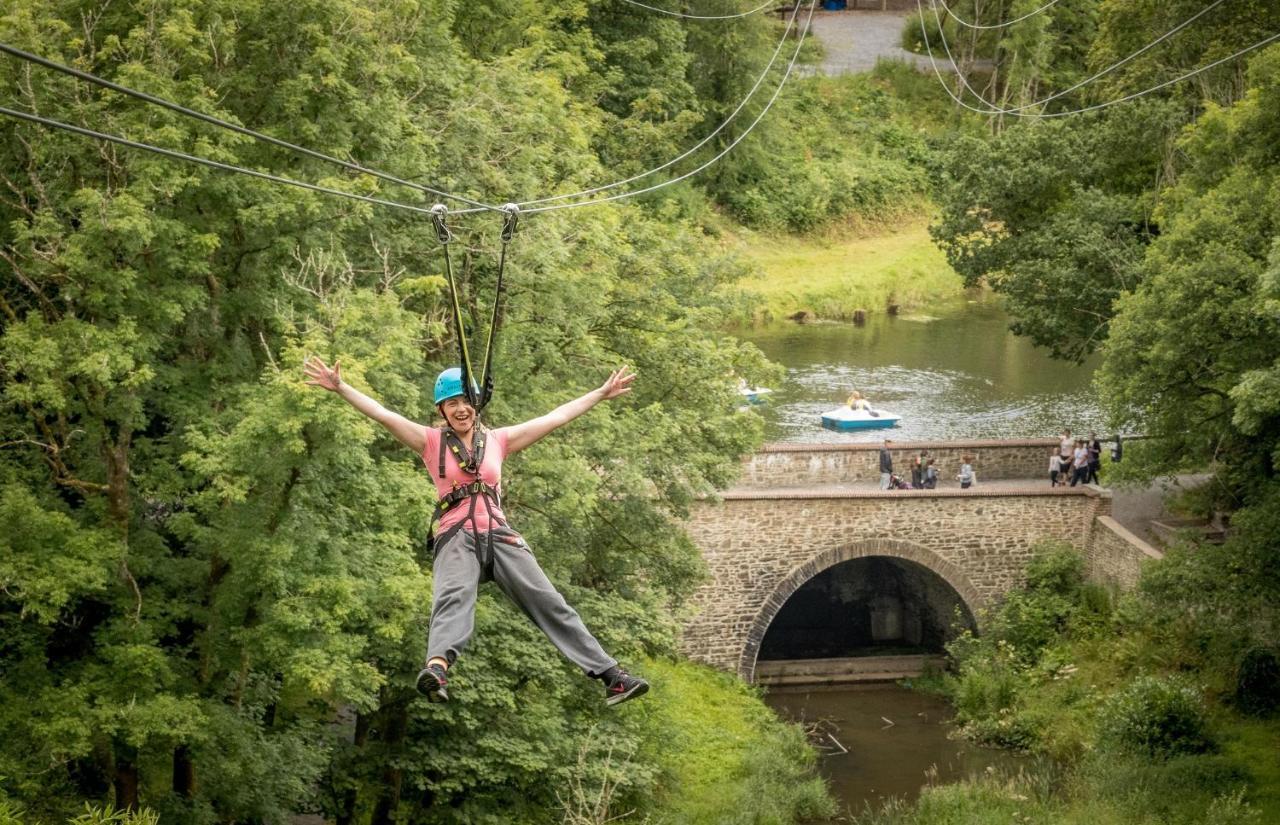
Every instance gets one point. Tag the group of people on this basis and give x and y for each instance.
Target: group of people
(924, 475)
(1077, 459)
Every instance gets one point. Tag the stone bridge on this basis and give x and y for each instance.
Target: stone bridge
(801, 510)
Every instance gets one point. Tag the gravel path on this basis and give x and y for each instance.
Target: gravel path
(855, 40)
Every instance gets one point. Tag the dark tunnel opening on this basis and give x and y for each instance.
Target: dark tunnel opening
(871, 606)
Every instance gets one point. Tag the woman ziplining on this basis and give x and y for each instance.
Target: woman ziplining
(473, 542)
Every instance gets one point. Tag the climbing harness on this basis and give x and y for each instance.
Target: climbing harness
(469, 462)
(477, 397)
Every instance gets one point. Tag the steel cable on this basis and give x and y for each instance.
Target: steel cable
(183, 110)
(226, 167)
(732, 115)
(758, 8)
(1019, 111)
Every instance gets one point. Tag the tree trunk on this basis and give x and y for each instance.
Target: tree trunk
(394, 732)
(126, 778)
(184, 773)
(347, 807)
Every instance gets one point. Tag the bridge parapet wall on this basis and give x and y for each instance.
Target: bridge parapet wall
(761, 545)
(1115, 555)
(808, 465)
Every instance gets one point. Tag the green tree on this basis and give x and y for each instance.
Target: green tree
(1193, 352)
(216, 594)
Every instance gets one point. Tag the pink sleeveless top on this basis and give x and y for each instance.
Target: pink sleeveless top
(495, 450)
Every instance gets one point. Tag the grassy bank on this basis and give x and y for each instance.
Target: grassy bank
(727, 759)
(832, 277)
(1144, 713)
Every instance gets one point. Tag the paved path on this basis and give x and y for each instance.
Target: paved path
(855, 40)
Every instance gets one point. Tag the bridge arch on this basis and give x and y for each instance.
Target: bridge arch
(866, 548)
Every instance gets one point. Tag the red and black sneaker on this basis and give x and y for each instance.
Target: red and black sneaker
(624, 686)
(431, 683)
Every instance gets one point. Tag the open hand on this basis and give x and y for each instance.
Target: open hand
(322, 375)
(619, 383)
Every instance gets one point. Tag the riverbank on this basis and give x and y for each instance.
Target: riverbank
(1139, 710)
(832, 277)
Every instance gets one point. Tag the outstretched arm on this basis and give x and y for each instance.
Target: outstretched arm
(406, 432)
(522, 435)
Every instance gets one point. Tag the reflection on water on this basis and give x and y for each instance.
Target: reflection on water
(952, 372)
(896, 741)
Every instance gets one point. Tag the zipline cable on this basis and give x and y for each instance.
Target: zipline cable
(758, 8)
(619, 196)
(967, 24)
(183, 110)
(751, 93)
(214, 164)
(1017, 110)
(994, 109)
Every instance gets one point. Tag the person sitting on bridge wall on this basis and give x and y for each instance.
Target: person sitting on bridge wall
(930, 475)
(967, 475)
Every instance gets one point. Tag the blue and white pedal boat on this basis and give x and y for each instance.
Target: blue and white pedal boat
(754, 395)
(843, 419)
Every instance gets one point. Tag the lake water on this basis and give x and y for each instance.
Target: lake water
(952, 372)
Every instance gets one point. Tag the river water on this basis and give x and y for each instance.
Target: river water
(952, 371)
(896, 742)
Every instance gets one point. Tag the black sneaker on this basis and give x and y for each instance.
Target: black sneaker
(624, 686)
(431, 683)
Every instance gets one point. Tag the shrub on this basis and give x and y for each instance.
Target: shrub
(913, 33)
(1258, 682)
(1156, 716)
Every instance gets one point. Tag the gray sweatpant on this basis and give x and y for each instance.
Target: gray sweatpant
(458, 571)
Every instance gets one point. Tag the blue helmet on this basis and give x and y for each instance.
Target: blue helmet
(449, 385)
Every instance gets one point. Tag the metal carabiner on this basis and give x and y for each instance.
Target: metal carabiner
(511, 217)
(439, 213)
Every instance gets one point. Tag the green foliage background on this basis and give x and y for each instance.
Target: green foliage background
(212, 585)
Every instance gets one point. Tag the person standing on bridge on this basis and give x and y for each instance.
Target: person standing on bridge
(886, 465)
(1095, 458)
(1055, 467)
(1080, 464)
(473, 542)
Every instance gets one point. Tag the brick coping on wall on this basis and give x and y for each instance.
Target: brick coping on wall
(865, 446)
(1131, 538)
(776, 493)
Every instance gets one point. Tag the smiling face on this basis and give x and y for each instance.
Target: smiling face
(460, 415)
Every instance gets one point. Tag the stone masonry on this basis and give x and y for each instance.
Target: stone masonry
(761, 545)
(805, 465)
